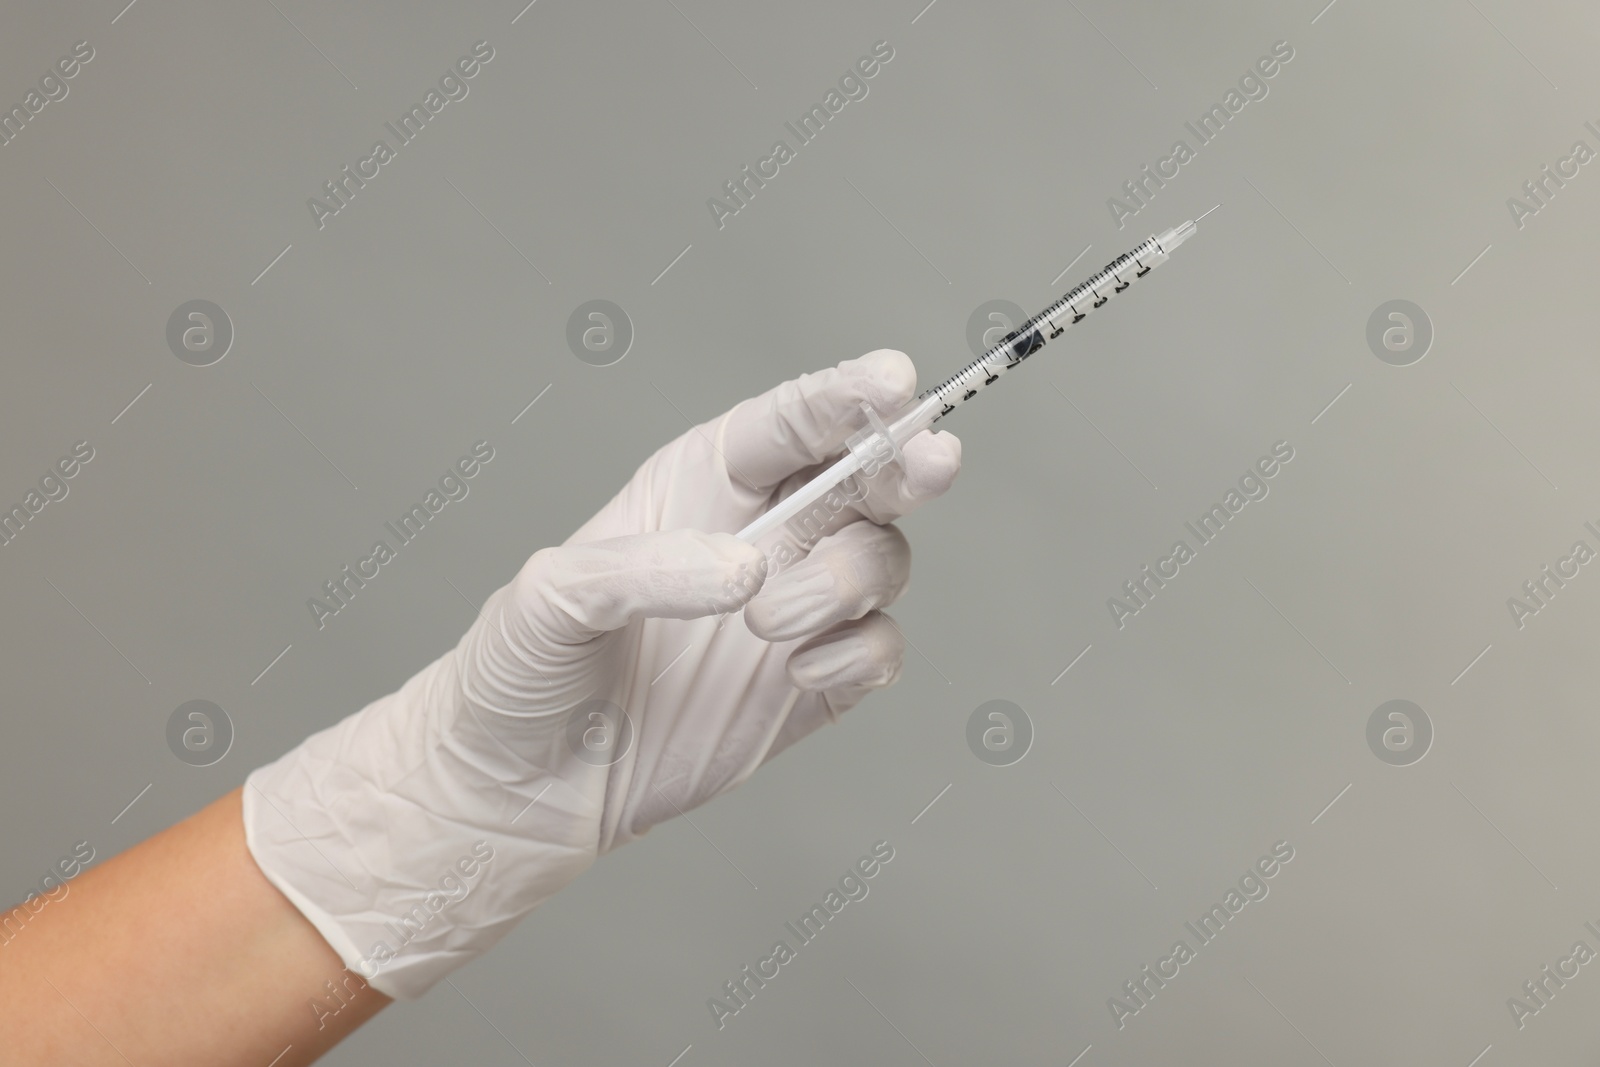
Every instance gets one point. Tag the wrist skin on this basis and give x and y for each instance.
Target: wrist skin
(177, 951)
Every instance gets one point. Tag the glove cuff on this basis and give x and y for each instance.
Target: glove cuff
(409, 839)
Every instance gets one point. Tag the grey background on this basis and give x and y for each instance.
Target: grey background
(1223, 719)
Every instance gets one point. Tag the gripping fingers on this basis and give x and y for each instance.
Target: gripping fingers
(855, 656)
(862, 567)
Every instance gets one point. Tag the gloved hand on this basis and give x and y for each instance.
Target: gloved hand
(609, 686)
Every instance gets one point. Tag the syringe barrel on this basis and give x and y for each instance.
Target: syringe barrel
(1032, 334)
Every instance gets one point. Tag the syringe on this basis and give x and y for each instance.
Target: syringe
(871, 447)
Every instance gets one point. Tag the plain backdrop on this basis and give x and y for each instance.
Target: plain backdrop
(1176, 751)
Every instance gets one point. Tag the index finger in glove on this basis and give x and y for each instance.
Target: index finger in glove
(802, 422)
(570, 595)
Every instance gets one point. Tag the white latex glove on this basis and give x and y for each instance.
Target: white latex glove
(415, 833)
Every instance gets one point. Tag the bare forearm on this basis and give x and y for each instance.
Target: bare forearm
(178, 951)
